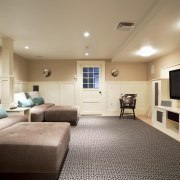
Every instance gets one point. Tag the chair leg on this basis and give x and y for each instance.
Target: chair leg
(134, 114)
(121, 113)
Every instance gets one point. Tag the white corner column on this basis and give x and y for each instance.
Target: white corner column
(6, 72)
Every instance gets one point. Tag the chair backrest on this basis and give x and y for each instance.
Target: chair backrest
(128, 100)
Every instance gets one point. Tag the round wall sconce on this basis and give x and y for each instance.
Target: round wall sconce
(47, 72)
(114, 72)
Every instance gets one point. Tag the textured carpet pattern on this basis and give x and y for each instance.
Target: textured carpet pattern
(109, 148)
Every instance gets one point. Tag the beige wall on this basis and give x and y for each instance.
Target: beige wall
(127, 71)
(165, 61)
(20, 68)
(61, 70)
(65, 70)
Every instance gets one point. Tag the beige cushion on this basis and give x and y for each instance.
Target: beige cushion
(19, 96)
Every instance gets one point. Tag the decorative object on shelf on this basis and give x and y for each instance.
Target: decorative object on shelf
(114, 72)
(47, 72)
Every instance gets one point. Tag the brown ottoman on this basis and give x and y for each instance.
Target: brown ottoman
(33, 150)
(62, 114)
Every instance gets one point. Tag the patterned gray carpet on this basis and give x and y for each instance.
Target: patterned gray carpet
(109, 148)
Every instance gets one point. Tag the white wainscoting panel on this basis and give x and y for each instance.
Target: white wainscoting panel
(65, 93)
(68, 93)
(20, 86)
(17, 86)
(126, 88)
(6, 90)
(5, 86)
(115, 89)
(59, 93)
(141, 103)
(24, 86)
(41, 87)
(52, 89)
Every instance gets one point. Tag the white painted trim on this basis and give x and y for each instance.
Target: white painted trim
(164, 72)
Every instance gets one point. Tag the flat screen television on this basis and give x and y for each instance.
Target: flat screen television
(174, 84)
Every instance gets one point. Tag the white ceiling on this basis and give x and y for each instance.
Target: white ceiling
(53, 29)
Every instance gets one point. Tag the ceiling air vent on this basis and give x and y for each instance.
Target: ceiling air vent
(125, 26)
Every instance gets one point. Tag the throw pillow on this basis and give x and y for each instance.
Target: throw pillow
(19, 96)
(3, 112)
(38, 101)
(33, 94)
(26, 103)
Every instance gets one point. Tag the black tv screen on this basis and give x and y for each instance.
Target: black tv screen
(174, 80)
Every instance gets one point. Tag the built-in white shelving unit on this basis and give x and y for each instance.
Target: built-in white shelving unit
(165, 118)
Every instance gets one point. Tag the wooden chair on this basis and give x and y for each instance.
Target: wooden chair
(127, 101)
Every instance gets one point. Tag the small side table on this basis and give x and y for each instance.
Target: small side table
(19, 111)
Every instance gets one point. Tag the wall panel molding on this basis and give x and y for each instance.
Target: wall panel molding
(164, 72)
(115, 89)
(20, 86)
(66, 93)
(57, 92)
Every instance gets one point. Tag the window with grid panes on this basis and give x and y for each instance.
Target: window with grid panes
(90, 77)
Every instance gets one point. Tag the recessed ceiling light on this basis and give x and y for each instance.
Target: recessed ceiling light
(26, 47)
(86, 34)
(146, 51)
(86, 54)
